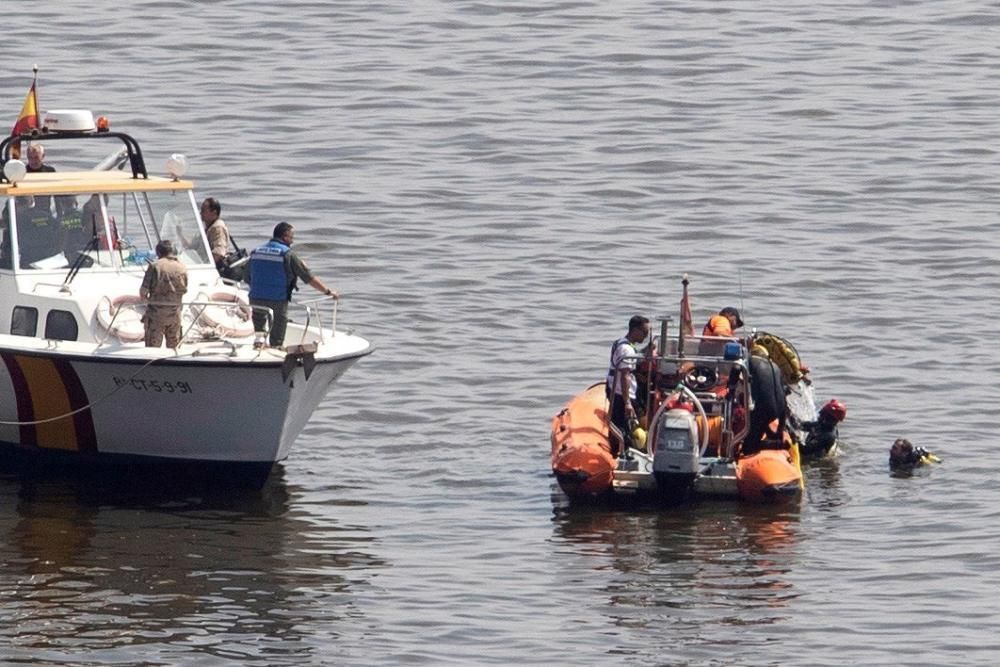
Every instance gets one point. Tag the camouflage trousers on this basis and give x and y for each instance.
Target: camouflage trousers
(162, 322)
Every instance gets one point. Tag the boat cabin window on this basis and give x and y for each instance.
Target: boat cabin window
(24, 321)
(141, 219)
(104, 230)
(60, 325)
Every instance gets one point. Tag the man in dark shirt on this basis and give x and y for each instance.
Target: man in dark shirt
(36, 164)
(38, 233)
(272, 273)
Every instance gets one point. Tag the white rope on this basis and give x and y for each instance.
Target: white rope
(89, 405)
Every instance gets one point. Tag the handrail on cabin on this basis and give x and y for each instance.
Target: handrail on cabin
(135, 159)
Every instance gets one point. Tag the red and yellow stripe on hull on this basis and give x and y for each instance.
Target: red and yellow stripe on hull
(47, 388)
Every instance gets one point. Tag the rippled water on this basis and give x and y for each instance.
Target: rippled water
(495, 188)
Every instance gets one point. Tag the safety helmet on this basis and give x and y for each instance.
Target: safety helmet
(833, 410)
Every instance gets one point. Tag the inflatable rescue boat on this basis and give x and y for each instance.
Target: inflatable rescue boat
(726, 417)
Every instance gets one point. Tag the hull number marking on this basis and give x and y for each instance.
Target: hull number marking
(155, 386)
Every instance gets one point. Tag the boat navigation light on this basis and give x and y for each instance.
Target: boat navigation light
(177, 165)
(103, 125)
(14, 170)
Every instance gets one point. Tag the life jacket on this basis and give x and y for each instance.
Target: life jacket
(268, 279)
(718, 326)
(612, 370)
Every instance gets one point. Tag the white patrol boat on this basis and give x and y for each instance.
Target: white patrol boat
(77, 384)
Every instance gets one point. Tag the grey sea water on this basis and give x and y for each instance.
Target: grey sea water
(495, 187)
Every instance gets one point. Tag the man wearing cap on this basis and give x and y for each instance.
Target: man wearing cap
(723, 324)
(163, 287)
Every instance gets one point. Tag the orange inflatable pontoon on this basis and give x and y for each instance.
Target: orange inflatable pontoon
(581, 451)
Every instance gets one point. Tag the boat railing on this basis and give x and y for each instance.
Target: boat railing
(314, 311)
(110, 326)
(59, 286)
(700, 346)
(314, 328)
(702, 374)
(707, 350)
(131, 146)
(198, 308)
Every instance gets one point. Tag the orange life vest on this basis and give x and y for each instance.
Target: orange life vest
(718, 326)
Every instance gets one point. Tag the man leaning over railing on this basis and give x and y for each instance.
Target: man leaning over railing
(273, 272)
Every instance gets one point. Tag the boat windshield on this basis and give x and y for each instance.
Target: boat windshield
(141, 219)
(104, 230)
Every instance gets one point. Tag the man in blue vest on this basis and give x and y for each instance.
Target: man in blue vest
(272, 273)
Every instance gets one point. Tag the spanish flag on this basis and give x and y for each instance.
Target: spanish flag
(28, 119)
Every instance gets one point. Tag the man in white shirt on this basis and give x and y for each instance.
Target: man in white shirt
(621, 380)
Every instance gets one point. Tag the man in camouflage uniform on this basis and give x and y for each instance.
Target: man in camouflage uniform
(216, 231)
(163, 287)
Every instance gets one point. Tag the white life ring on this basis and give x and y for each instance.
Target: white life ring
(229, 314)
(121, 317)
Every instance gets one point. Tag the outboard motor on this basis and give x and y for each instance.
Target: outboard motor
(676, 460)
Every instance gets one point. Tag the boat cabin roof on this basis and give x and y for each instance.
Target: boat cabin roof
(88, 182)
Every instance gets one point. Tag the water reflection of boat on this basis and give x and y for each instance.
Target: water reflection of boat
(77, 384)
(721, 564)
(176, 576)
(696, 531)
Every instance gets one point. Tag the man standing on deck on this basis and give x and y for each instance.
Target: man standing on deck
(621, 382)
(164, 286)
(216, 231)
(272, 273)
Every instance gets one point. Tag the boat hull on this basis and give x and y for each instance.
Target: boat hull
(210, 409)
(126, 471)
(584, 467)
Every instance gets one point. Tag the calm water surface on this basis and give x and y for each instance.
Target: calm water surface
(495, 188)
